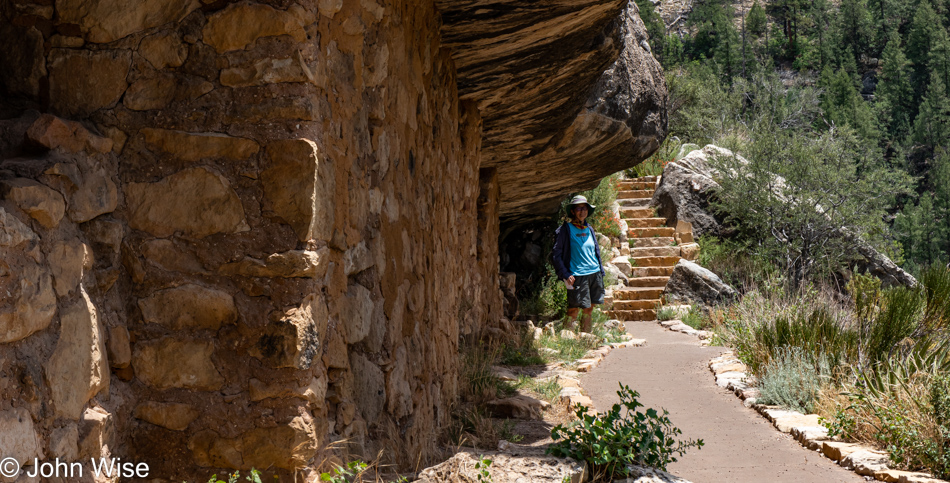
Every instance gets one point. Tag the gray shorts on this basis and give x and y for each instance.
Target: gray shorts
(588, 289)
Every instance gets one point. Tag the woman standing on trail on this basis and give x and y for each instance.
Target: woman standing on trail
(576, 259)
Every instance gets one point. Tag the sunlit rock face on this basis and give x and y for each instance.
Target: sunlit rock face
(567, 90)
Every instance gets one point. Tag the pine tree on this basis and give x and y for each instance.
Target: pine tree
(894, 98)
(842, 104)
(938, 62)
(755, 20)
(919, 42)
(854, 24)
(932, 126)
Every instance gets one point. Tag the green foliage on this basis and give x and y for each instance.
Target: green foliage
(665, 313)
(695, 318)
(736, 263)
(923, 229)
(843, 105)
(254, 477)
(756, 20)
(550, 301)
(621, 436)
(481, 468)
(793, 379)
(345, 474)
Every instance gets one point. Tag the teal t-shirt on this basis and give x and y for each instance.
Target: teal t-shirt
(583, 252)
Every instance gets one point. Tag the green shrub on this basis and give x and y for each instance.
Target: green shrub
(550, 301)
(621, 436)
(254, 477)
(695, 318)
(665, 313)
(793, 380)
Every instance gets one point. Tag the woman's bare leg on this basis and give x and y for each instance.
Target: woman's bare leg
(585, 319)
(571, 315)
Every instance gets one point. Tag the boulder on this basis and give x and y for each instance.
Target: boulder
(518, 407)
(685, 189)
(688, 184)
(29, 302)
(691, 283)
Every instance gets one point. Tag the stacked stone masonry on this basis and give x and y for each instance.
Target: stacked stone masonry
(241, 252)
(235, 234)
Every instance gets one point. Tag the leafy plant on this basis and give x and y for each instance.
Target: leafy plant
(345, 474)
(665, 313)
(481, 466)
(254, 477)
(621, 436)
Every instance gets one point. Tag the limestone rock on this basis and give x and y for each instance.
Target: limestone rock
(189, 306)
(288, 445)
(52, 132)
(96, 432)
(163, 49)
(68, 260)
(398, 390)
(120, 348)
(837, 450)
(266, 71)
(692, 283)
(18, 438)
(866, 462)
(29, 303)
(642, 474)
(315, 392)
(174, 363)
(241, 24)
(575, 110)
(357, 313)
(96, 195)
(167, 255)
(77, 370)
(104, 21)
(293, 339)
(518, 407)
(150, 93)
(174, 416)
(38, 201)
(370, 387)
(82, 81)
(64, 442)
(193, 147)
(506, 469)
(357, 259)
(205, 205)
(290, 264)
(685, 189)
(298, 187)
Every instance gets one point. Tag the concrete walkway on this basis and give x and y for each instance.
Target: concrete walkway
(741, 446)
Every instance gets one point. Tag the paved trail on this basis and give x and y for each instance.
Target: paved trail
(741, 446)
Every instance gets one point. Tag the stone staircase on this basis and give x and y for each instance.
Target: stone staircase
(654, 250)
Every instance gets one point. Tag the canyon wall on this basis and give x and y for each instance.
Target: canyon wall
(234, 234)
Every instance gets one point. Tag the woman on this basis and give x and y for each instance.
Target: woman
(576, 259)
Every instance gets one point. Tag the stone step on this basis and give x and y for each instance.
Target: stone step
(638, 272)
(633, 315)
(655, 252)
(650, 282)
(654, 261)
(646, 222)
(634, 203)
(631, 213)
(653, 231)
(637, 185)
(654, 241)
(637, 293)
(636, 304)
(634, 194)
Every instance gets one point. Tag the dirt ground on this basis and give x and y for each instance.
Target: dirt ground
(671, 372)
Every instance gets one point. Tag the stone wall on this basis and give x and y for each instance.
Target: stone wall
(239, 232)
